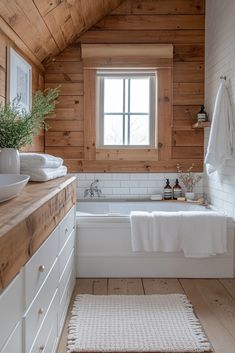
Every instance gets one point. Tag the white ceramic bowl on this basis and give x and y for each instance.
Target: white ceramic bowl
(11, 185)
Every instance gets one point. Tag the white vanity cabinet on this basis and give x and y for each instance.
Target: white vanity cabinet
(34, 304)
(39, 266)
(11, 311)
(15, 341)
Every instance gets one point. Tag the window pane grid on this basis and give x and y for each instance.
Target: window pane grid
(123, 113)
(136, 92)
(128, 116)
(124, 109)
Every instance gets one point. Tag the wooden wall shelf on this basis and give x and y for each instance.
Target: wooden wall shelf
(201, 124)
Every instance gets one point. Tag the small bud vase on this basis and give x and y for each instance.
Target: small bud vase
(190, 195)
(9, 161)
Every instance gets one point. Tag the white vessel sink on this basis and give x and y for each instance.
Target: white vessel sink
(11, 185)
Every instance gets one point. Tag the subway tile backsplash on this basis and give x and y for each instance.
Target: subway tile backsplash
(129, 185)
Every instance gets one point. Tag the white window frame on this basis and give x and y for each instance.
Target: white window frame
(101, 75)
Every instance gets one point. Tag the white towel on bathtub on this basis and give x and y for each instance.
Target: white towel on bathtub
(156, 231)
(196, 233)
(165, 231)
(203, 234)
(141, 231)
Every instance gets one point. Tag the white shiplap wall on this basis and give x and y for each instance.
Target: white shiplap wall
(220, 60)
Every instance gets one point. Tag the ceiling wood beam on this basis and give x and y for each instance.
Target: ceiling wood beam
(20, 44)
(43, 28)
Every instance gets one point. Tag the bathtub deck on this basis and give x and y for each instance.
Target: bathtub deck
(213, 301)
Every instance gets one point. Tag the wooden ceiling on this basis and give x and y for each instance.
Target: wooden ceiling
(46, 27)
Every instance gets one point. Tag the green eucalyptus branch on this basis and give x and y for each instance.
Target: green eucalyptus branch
(17, 126)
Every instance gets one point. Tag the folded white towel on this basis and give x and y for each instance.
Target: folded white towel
(141, 231)
(157, 231)
(220, 144)
(203, 234)
(166, 231)
(45, 174)
(39, 160)
(196, 233)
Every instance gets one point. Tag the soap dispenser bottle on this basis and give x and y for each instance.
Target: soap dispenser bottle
(167, 190)
(177, 190)
(202, 115)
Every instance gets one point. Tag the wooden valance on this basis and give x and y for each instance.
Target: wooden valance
(127, 55)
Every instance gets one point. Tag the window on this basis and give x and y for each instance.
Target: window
(126, 109)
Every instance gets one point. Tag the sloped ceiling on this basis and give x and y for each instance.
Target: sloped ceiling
(47, 26)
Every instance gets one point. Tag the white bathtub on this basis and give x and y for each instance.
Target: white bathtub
(104, 244)
(123, 208)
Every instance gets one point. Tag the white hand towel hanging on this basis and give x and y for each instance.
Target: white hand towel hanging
(220, 145)
(141, 231)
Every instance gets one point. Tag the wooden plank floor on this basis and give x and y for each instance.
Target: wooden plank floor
(213, 301)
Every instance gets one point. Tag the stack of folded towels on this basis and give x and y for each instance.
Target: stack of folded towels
(41, 167)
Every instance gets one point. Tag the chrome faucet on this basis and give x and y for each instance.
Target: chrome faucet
(93, 190)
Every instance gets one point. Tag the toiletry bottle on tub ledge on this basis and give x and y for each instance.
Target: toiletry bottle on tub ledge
(167, 191)
(177, 190)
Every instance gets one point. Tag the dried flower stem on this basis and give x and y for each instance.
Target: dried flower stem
(188, 178)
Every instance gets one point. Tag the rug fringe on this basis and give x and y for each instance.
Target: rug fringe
(195, 323)
(73, 327)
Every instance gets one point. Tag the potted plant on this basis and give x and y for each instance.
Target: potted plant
(18, 126)
(189, 179)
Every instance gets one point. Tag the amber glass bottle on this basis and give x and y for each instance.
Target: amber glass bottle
(177, 190)
(167, 191)
(202, 115)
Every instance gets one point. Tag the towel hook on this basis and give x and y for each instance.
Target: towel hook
(223, 77)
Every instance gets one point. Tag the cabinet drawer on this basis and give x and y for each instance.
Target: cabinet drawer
(66, 226)
(52, 340)
(38, 267)
(14, 343)
(37, 311)
(65, 275)
(11, 307)
(65, 300)
(66, 251)
(41, 340)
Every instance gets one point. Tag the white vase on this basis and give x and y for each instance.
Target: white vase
(190, 195)
(9, 161)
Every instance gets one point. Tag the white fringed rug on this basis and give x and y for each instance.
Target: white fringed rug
(135, 323)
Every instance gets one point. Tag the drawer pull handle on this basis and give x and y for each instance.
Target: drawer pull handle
(41, 268)
(41, 348)
(40, 311)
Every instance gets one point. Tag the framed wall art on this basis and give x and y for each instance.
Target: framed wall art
(19, 79)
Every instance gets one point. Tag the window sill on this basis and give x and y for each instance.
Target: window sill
(143, 153)
(122, 147)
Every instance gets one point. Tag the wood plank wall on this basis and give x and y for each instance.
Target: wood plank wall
(179, 22)
(46, 27)
(37, 83)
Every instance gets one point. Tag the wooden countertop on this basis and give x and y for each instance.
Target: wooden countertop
(28, 219)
